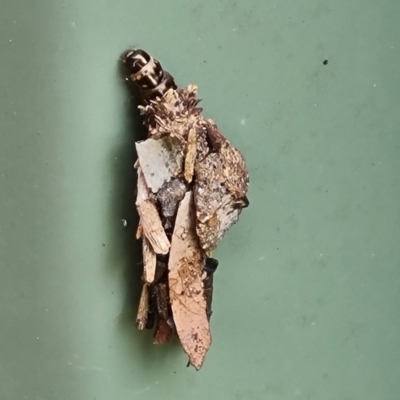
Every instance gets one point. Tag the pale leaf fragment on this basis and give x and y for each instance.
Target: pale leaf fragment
(149, 261)
(150, 219)
(160, 160)
(191, 152)
(185, 278)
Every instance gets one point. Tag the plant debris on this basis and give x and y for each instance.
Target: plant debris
(192, 186)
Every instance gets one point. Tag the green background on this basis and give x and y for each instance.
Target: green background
(307, 295)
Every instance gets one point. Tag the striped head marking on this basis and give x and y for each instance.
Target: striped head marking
(147, 73)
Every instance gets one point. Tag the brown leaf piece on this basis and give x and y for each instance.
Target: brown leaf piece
(150, 219)
(163, 333)
(164, 330)
(186, 285)
(172, 115)
(143, 309)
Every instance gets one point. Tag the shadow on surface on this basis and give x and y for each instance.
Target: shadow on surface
(123, 200)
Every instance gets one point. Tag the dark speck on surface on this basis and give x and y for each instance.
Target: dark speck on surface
(325, 62)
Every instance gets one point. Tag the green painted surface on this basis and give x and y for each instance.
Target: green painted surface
(308, 291)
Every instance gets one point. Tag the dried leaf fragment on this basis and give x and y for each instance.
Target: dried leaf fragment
(163, 333)
(141, 318)
(220, 189)
(149, 261)
(139, 231)
(191, 153)
(160, 160)
(185, 280)
(150, 219)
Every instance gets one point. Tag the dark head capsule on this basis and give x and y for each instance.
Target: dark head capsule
(147, 73)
